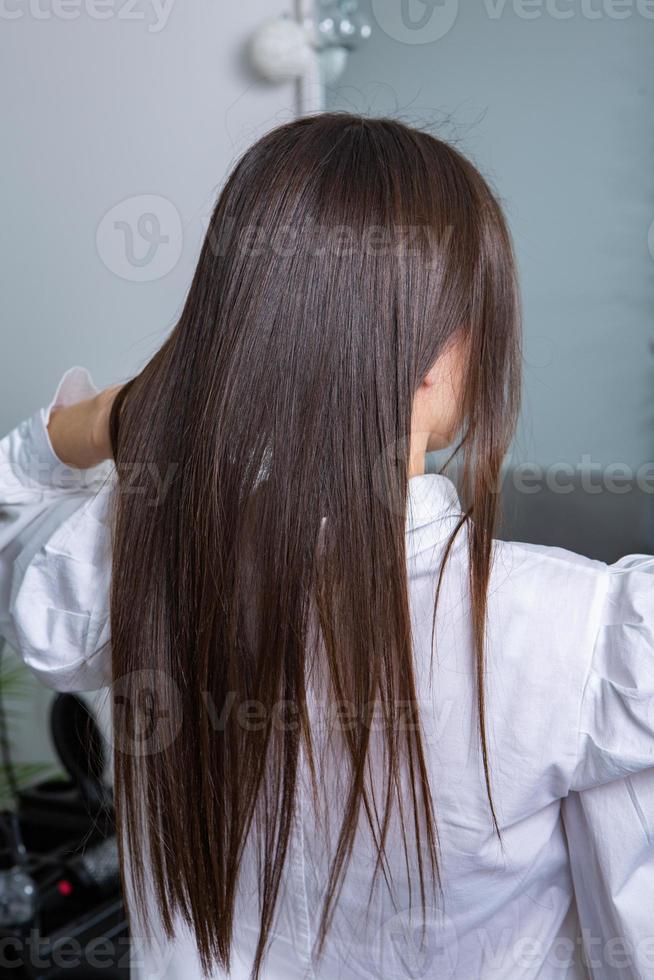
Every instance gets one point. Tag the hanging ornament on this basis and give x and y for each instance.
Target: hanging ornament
(280, 50)
(283, 49)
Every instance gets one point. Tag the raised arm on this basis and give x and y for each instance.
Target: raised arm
(79, 433)
(55, 538)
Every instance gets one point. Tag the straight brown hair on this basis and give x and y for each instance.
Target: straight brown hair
(343, 256)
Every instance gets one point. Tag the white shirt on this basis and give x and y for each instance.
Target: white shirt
(570, 706)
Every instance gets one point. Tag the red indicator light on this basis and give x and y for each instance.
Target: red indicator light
(64, 888)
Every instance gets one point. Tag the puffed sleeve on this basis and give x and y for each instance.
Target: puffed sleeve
(616, 722)
(55, 552)
(610, 834)
(609, 816)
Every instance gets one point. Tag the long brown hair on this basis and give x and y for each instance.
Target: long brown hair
(343, 255)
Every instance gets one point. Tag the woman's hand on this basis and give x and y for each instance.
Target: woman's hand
(80, 433)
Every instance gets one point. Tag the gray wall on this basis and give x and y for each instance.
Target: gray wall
(559, 113)
(96, 111)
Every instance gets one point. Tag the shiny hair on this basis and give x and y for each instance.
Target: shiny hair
(343, 256)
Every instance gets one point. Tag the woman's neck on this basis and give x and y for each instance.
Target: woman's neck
(417, 451)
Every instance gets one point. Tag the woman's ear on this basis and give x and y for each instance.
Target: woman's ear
(431, 377)
(438, 401)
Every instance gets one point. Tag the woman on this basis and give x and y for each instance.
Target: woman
(345, 717)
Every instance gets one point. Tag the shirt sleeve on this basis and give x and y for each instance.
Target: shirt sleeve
(610, 834)
(55, 552)
(609, 815)
(616, 723)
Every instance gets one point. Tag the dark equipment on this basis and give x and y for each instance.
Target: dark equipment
(63, 839)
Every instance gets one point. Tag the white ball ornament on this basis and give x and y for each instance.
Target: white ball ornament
(280, 50)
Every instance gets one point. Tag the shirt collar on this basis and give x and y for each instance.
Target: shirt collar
(431, 497)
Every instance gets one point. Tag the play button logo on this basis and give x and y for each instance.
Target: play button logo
(416, 21)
